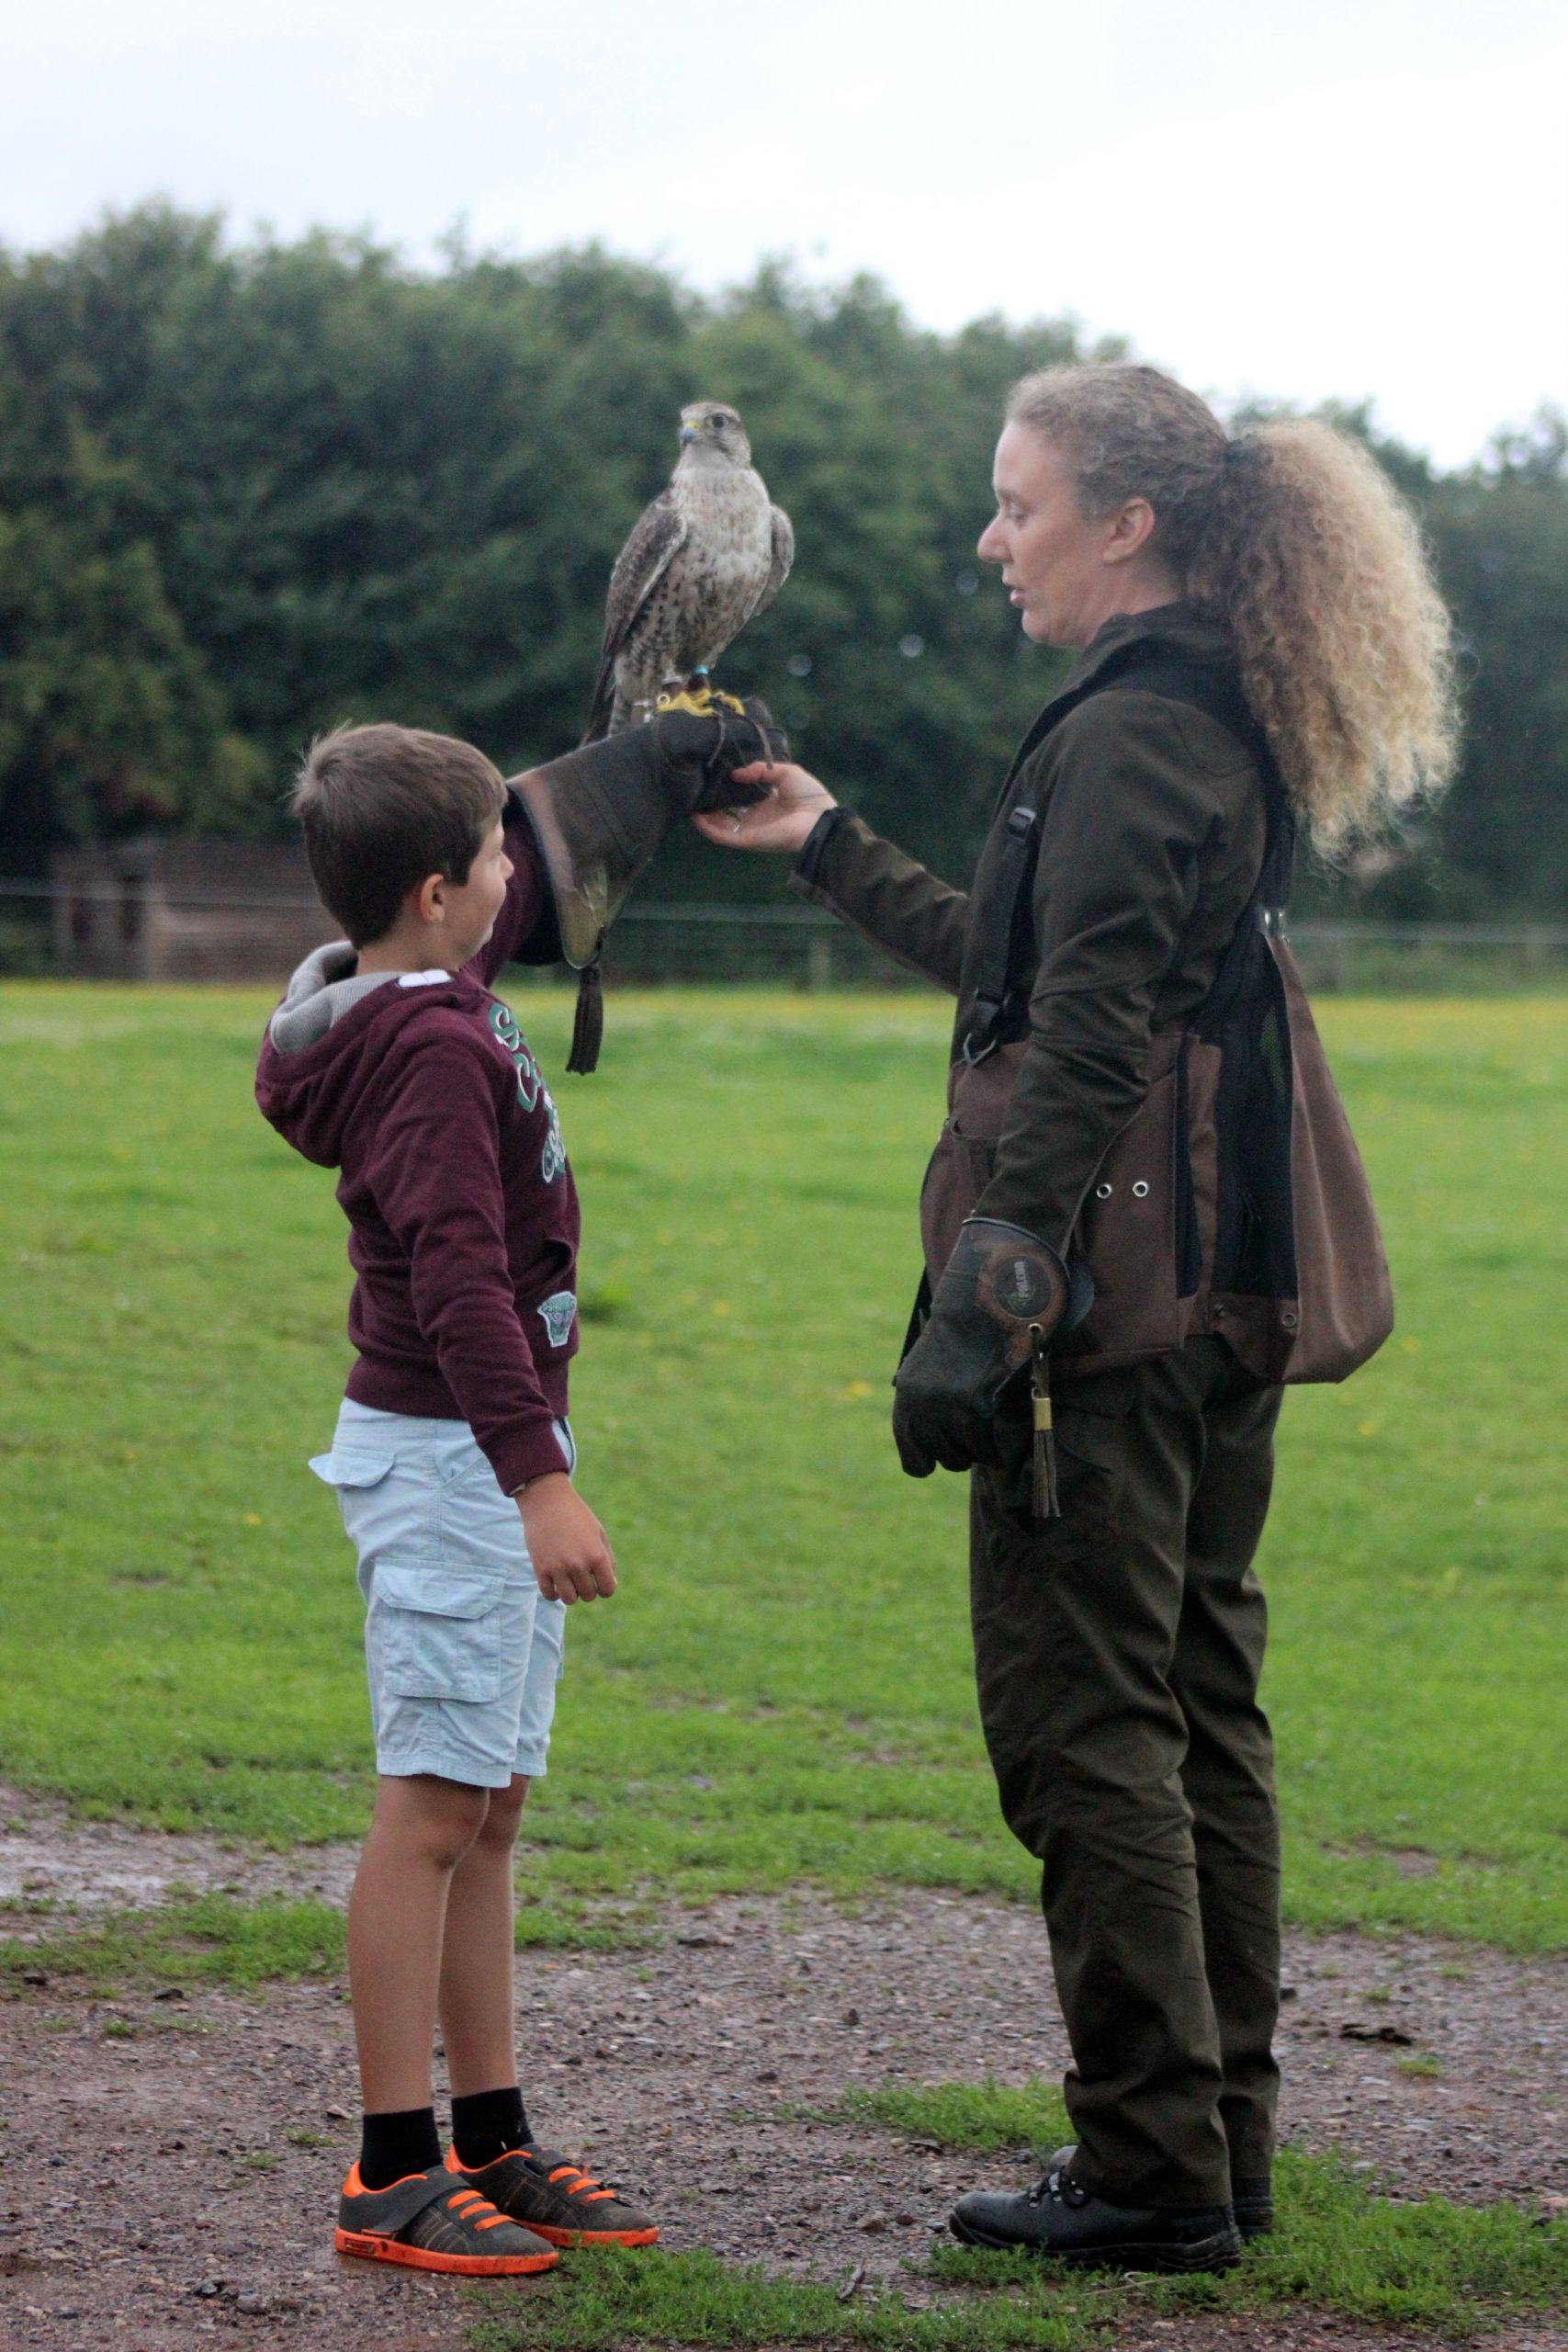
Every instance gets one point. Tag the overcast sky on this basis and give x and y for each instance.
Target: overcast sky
(1370, 199)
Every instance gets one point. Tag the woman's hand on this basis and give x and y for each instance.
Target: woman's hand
(782, 821)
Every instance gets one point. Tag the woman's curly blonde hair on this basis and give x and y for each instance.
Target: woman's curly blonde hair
(1293, 539)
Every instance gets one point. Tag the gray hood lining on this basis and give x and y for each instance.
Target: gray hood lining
(324, 987)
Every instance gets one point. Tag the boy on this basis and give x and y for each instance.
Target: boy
(390, 1060)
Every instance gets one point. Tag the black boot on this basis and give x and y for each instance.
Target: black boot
(1060, 2220)
(1252, 2201)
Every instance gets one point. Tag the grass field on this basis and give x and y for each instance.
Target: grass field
(782, 1689)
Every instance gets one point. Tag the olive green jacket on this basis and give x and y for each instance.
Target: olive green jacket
(1151, 836)
(1187, 1144)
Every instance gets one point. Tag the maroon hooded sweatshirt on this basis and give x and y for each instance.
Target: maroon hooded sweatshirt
(463, 1217)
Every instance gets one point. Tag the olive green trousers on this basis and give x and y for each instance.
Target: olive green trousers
(1117, 1654)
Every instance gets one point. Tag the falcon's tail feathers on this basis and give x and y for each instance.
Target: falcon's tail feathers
(601, 718)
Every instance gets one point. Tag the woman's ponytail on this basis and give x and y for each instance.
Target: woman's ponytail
(1313, 566)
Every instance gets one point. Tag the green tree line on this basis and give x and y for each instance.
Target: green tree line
(248, 492)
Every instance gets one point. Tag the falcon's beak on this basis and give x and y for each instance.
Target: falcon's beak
(688, 433)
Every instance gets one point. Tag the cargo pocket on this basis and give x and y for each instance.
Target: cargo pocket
(1091, 1416)
(344, 1466)
(1092, 1460)
(389, 1503)
(366, 1502)
(440, 1633)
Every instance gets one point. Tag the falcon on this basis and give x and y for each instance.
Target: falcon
(710, 553)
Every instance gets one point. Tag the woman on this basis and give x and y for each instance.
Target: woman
(1145, 1200)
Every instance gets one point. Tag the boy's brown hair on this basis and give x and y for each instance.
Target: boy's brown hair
(383, 806)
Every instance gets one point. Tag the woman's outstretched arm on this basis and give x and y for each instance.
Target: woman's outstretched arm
(889, 898)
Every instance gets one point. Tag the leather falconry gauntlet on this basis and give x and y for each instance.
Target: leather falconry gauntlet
(599, 814)
(1002, 1296)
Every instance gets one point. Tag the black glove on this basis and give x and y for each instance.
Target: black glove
(1002, 1296)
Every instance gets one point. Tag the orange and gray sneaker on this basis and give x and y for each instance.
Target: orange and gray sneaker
(557, 2200)
(433, 2222)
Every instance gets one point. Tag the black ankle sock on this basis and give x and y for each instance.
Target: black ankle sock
(485, 2124)
(392, 2145)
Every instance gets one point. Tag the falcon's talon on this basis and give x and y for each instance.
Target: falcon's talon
(699, 705)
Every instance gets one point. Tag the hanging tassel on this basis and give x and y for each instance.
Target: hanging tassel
(1046, 1505)
(588, 1028)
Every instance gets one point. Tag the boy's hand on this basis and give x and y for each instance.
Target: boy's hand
(570, 1552)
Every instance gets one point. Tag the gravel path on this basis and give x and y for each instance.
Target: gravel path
(199, 2139)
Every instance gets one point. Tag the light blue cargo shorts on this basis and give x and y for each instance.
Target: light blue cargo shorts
(463, 1651)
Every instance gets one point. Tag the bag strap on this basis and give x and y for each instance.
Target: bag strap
(1215, 692)
(919, 1315)
(1014, 884)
